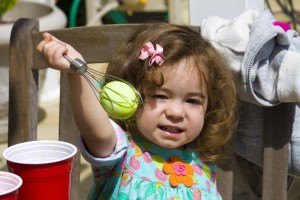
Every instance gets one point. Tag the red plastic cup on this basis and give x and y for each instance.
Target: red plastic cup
(45, 168)
(9, 185)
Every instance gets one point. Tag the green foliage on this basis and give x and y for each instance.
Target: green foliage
(7, 5)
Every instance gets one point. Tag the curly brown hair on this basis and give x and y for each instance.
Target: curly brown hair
(181, 42)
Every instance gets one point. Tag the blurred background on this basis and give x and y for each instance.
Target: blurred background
(56, 14)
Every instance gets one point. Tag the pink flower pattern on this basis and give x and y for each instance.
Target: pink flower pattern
(147, 157)
(134, 163)
(197, 169)
(160, 175)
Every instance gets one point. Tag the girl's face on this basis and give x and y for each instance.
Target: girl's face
(173, 115)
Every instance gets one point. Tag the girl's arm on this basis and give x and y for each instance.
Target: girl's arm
(91, 119)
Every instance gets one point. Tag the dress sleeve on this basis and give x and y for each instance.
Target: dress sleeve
(115, 157)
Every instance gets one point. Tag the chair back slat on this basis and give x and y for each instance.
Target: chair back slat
(69, 132)
(276, 138)
(23, 84)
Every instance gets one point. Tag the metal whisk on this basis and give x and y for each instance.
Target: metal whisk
(97, 79)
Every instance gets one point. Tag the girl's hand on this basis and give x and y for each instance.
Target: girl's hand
(53, 51)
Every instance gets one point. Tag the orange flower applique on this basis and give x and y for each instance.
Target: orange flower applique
(180, 172)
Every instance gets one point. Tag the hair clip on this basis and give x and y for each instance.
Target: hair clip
(156, 55)
(284, 26)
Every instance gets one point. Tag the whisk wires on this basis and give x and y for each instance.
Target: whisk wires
(96, 79)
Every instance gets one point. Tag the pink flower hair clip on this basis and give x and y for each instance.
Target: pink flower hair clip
(156, 55)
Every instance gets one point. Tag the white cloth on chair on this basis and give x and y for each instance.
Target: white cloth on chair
(265, 62)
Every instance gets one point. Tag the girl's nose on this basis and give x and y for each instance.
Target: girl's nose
(175, 109)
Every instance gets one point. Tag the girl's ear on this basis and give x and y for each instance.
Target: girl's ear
(137, 114)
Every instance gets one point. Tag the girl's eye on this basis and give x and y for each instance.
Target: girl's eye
(158, 96)
(193, 101)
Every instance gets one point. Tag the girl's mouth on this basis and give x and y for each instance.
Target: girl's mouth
(170, 129)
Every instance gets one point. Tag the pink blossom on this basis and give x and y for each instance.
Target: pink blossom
(179, 169)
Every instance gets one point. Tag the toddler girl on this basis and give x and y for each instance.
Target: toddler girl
(170, 147)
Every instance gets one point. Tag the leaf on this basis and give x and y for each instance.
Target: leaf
(137, 185)
(7, 5)
(161, 192)
(150, 190)
(190, 194)
(123, 196)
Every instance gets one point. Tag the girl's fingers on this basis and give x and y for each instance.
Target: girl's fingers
(53, 51)
(39, 47)
(48, 37)
(50, 47)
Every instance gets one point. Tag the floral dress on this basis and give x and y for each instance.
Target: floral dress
(139, 169)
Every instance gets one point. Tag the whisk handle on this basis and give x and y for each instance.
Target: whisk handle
(77, 65)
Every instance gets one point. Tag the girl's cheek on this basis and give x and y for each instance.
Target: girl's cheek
(149, 103)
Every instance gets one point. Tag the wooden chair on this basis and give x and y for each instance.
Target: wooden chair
(96, 45)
